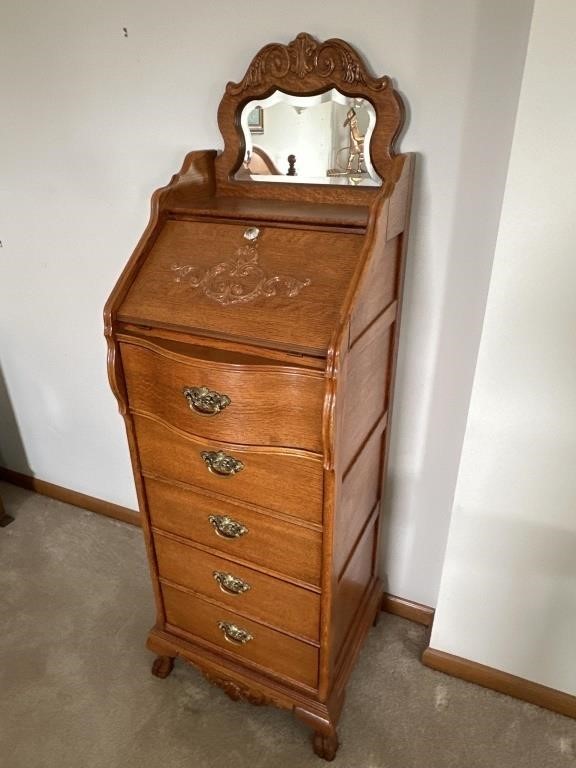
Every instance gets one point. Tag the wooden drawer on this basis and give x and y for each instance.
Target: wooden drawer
(268, 648)
(264, 598)
(283, 480)
(293, 550)
(268, 404)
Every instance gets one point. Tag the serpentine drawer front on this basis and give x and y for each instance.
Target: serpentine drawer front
(255, 404)
(274, 478)
(252, 342)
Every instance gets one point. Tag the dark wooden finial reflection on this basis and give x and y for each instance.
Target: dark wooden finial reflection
(291, 165)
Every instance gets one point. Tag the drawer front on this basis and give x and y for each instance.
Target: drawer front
(258, 405)
(288, 549)
(291, 608)
(276, 652)
(285, 481)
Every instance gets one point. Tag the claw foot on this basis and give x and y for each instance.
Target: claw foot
(326, 746)
(162, 666)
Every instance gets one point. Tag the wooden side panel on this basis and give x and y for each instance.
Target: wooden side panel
(400, 201)
(367, 369)
(378, 289)
(270, 542)
(264, 598)
(365, 358)
(352, 587)
(360, 492)
(286, 481)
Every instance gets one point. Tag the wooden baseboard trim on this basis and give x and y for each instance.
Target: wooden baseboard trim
(59, 493)
(407, 609)
(503, 682)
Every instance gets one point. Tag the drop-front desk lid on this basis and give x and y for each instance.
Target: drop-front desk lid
(283, 288)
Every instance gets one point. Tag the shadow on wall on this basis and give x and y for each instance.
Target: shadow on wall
(425, 499)
(12, 453)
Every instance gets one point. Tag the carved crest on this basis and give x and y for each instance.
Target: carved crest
(304, 56)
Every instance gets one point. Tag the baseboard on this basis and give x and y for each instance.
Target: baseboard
(503, 682)
(407, 609)
(44, 488)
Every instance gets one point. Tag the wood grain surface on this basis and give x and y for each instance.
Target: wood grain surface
(353, 585)
(270, 405)
(360, 493)
(278, 479)
(270, 600)
(302, 322)
(273, 650)
(273, 543)
(366, 386)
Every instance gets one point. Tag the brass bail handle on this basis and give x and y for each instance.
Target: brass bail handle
(234, 634)
(221, 464)
(231, 585)
(227, 527)
(204, 401)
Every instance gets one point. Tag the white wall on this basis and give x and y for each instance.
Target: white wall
(306, 135)
(93, 121)
(508, 592)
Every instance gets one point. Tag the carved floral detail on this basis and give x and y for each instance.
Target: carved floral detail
(239, 280)
(333, 59)
(238, 693)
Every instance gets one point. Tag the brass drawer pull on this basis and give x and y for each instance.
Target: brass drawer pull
(219, 463)
(226, 527)
(230, 584)
(234, 634)
(204, 401)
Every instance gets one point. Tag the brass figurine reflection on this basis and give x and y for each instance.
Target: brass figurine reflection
(356, 146)
(355, 165)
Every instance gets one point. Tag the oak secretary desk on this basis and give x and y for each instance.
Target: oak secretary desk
(252, 343)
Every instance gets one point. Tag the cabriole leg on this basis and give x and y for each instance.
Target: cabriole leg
(322, 720)
(325, 745)
(162, 666)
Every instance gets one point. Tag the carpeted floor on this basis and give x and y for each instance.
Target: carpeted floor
(76, 689)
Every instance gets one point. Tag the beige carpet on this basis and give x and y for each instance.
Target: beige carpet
(76, 690)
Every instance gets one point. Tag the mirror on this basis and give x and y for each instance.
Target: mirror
(320, 139)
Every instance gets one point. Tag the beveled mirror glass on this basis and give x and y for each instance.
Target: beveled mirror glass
(320, 139)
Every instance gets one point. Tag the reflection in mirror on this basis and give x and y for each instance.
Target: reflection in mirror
(322, 139)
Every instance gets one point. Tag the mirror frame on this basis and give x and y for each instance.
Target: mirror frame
(306, 67)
